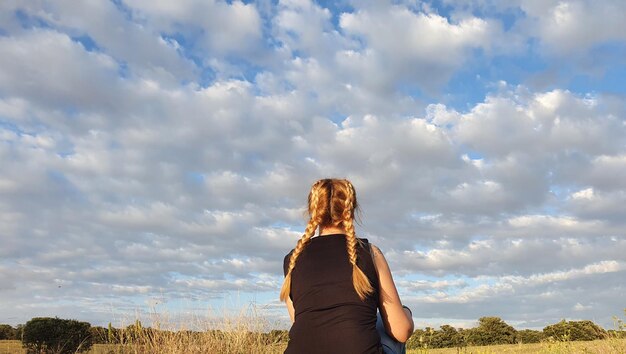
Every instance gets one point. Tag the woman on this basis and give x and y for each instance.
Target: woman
(335, 282)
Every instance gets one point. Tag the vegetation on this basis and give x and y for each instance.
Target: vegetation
(55, 335)
(7, 332)
(575, 330)
(494, 331)
(529, 336)
(587, 347)
(247, 334)
(490, 331)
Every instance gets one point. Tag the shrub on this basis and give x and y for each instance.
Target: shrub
(7, 332)
(491, 330)
(526, 336)
(99, 335)
(446, 337)
(575, 330)
(421, 338)
(55, 335)
(19, 331)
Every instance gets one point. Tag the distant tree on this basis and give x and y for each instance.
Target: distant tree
(55, 335)
(529, 336)
(19, 331)
(491, 330)
(450, 337)
(7, 332)
(421, 338)
(445, 337)
(587, 330)
(465, 335)
(575, 330)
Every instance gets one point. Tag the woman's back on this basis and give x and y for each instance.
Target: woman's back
(329, 315)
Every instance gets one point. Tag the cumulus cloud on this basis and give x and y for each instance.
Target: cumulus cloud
(102, 26)
(530, 301)
(83, 79)
(564, 27)
(216, 26)
(402, 46)
(161, 150)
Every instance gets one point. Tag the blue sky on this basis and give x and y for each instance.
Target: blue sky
(156, 155)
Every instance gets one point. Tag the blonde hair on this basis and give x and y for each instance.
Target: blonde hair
(332, 202)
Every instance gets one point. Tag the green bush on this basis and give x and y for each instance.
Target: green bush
(575, 330)
(490, 331)
(99, 335)
(55, 335)
(526, 336)
(19, 331)
(421, 338)
(446, 337)
(7, 332)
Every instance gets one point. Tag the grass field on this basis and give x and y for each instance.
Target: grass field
(609, 346)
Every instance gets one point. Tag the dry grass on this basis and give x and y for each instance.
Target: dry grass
(244, 332)
(228, 342)
(11, 347)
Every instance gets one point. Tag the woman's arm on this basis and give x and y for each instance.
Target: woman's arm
(398, 320)
(290, 309)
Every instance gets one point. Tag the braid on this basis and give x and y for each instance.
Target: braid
(314, 221)
(360, 282)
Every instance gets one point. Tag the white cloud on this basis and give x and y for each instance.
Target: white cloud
(569, 27)
(599, 205)
(145, 52)
(532, 297)
(607, 172)
(50, 69)
(306, 28)
(129, 173)
(499, 257)
(410, 47)
(223, 27)
(426, 286)
(581, 307)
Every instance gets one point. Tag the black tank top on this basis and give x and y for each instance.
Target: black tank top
(329, 316)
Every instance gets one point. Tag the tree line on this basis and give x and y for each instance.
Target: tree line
(493, 331)
(55, 335)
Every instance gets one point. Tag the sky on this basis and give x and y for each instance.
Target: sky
(156, 156)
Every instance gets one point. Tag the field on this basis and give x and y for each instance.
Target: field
(610, 346)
